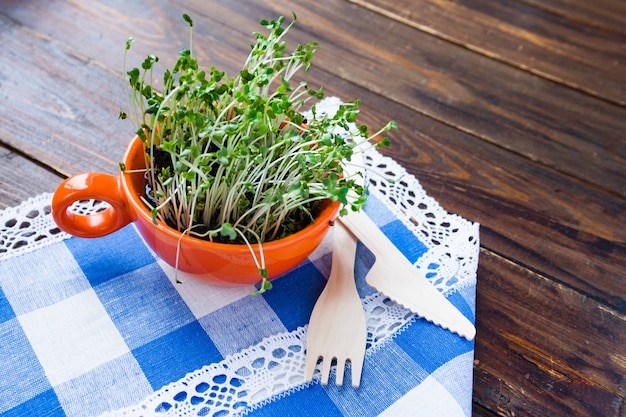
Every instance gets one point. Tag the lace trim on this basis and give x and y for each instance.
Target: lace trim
(30, 226)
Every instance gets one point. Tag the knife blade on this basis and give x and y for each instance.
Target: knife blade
(396, 277)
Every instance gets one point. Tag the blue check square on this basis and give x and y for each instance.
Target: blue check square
(241, 324)
(110, 256)
(399, 374)
(19, 383)
(294, 294)
(171, 356)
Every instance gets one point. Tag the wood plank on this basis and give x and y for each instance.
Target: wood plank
(75, 56)
(607, 14)
(74, 101)
(21, 179)
(583, 57)
(156, 25)
(478, 410)
(456, 86)
(569, 362)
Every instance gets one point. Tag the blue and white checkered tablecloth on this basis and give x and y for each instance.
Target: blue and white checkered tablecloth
(92, 326)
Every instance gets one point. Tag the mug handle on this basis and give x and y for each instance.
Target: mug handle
(92, 185)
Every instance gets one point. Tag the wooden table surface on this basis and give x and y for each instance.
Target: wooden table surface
(510, 113)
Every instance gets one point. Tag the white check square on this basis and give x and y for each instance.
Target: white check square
(201, 297)
(72, 337)
(114, 385)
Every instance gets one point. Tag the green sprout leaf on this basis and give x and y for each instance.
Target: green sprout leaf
(265, 284)
(228, 231)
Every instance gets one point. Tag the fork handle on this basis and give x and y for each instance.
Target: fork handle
(344, 255)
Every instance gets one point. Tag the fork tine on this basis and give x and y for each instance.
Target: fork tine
(326, 363)
(340, 370)
(357, 369)
(311, 362)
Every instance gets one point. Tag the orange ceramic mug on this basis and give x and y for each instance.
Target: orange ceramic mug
(219, 263)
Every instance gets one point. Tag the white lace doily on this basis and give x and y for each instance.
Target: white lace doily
(30, 226)
(275, 366)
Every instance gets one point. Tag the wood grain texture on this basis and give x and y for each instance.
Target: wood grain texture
(607, 14)
(21, 179)
(527, 142)
(554, 46)
(551, 368)
(63, 110)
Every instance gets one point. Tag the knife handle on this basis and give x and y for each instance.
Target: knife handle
(362, 226)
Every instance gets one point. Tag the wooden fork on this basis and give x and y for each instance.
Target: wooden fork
(337, 327)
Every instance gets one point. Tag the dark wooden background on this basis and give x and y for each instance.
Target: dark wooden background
(511, 113)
